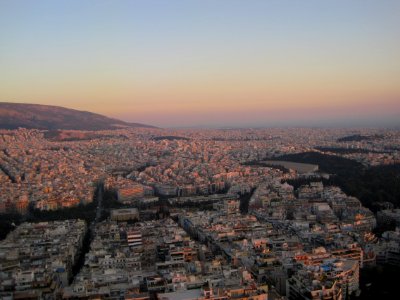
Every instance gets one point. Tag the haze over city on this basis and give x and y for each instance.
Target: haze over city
(207, 63)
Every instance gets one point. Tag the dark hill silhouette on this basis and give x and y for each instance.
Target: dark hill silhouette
(36, 116)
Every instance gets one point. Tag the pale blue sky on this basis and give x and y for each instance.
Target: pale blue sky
(173, 63)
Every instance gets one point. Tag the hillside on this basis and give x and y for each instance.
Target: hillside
(14, 115)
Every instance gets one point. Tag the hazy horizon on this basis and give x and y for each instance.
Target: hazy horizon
(207, 63)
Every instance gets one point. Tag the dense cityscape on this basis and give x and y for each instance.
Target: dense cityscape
(149, 213)
(199, 150)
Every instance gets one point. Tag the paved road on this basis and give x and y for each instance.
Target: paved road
(99, 203)
(98, 210)
(91, 231)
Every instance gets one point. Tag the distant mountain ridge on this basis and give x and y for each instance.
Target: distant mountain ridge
(49, 117)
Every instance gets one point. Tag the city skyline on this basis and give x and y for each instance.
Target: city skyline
(215, 64)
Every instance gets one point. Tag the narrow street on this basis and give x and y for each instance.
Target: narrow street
(90, 231)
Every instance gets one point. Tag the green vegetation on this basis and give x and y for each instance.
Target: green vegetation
(8, 222)
(342, 150)
(110, 199)
(373, 186)
(267, 165)
(378, 282)
(359, 138)
(85, 212)
(244, 201)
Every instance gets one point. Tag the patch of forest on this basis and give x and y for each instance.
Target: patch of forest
(341, 150)
(359, 138)
(373, 185)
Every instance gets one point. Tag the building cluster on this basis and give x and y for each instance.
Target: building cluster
(387, 249)
(308, 242)
(330, 279)
(371, 147)
(315, 204)
(41, 175)
(307, 247)
(157, 259)
(389, 217)
(205, 254)
(37, 260)
(49, 173)
(130, 192)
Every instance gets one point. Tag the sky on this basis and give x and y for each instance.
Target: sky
(207, 63)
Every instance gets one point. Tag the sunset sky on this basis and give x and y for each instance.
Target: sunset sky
(207, 63)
